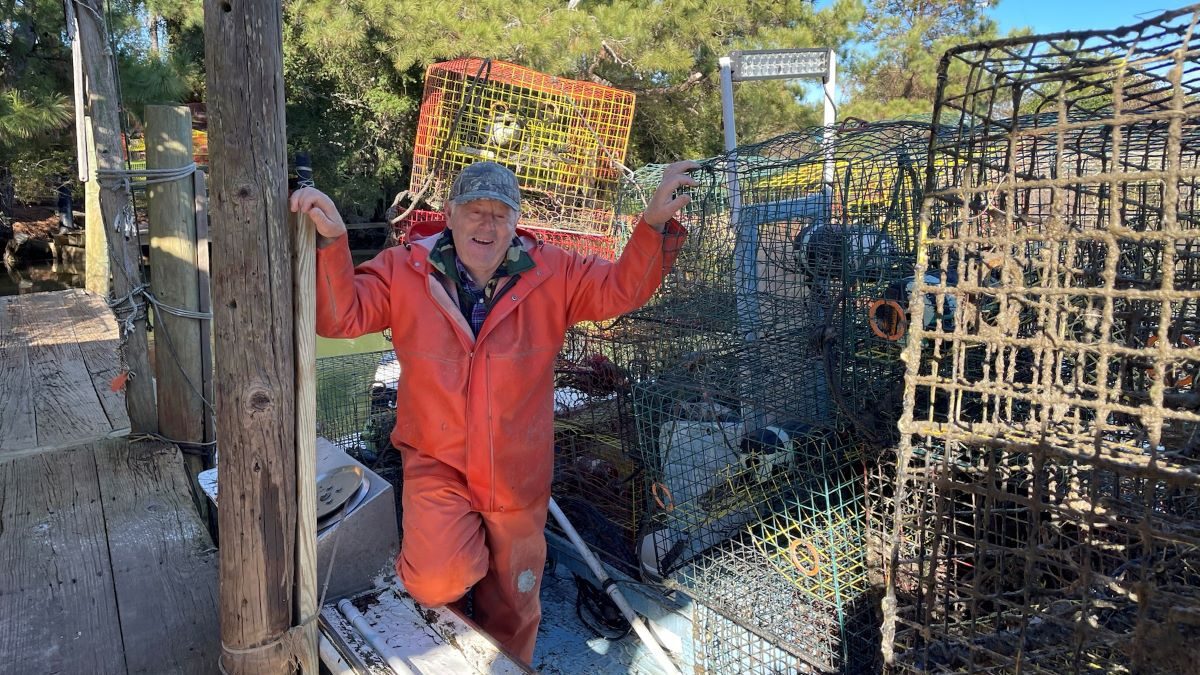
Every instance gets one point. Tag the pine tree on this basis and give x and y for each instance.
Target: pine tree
(355, 71)
(36, 90)
(893, 73)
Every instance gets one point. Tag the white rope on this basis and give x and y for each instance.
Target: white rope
(115, 178)
(125, 223)
(176, 311)
(144, 291)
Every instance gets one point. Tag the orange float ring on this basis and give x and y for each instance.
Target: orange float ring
(898, 326)
(670, 504)
(1186, 380)
(808, 571)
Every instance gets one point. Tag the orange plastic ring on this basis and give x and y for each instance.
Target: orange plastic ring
(670, 504)
(807, 571)
(1186, 380)
(898, 327)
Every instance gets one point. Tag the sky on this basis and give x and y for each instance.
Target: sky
(1052, 16)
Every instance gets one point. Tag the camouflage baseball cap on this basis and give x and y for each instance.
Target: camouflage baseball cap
(486, 180)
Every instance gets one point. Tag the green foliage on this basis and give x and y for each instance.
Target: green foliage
(26, 116)
(355, 68)
(37, 139)
(37, 177)
(894, 74)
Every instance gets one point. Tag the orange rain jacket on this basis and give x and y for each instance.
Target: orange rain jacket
(484, 406)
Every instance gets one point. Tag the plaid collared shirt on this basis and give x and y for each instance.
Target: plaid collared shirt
(476, 301)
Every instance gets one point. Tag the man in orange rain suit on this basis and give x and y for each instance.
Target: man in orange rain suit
(478, 314)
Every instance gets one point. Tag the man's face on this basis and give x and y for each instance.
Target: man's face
(482, 231)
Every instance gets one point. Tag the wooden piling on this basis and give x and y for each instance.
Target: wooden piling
(95, 242)
(123, 250)
(307, 590)
(255, 351)
(203, 267)
(174, 280)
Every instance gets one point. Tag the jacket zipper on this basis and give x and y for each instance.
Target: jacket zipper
(487, 375)
(467, 430)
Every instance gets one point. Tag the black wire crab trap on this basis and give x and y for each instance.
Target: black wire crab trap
(1048, 512)
(599, 479)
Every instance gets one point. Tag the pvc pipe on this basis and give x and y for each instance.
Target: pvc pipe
(610, 587)
(373, 638)
(828, 86)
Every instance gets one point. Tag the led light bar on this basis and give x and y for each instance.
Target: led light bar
(775, 64)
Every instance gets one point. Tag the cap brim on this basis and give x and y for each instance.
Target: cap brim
(486, 194)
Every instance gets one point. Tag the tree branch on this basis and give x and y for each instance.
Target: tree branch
(692, 80)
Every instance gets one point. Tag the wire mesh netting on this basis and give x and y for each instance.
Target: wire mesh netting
(753, 393)
(752, 619)
(774, 381)
(599, 478)
(727, 646)
(356, 401)
(564, 139)
(1046, 517)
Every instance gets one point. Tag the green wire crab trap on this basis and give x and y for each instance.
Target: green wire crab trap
(599, 477)
(777, 356)
(1049, 477)
(753, 385)
(752, 619)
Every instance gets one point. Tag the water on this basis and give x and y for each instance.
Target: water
(40, 276)
(368, 343)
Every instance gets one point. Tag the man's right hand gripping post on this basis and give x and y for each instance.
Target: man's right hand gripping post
(317, 205)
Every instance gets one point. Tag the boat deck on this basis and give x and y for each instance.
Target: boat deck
(107, 565)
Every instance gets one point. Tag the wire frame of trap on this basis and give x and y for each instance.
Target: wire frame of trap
(599, 478)
(723, 645)
(565, 139)
(1048, 429)
(835, 253)
(815, 538)
(752, 619)
(608, 246)
(765, 325)
(356, 401)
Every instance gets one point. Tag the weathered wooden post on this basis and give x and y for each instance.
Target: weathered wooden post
(95, 238)
(304, 284)
(203, 267)
(123, 250)
(174, 280)
(252, 281)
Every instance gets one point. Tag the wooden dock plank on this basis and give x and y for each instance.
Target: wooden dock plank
(97, 335)
(18, 428)
(164, 564)
(68, 409)
(58, 611)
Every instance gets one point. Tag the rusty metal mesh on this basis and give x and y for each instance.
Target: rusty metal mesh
(565, 139)
(1046, 512)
